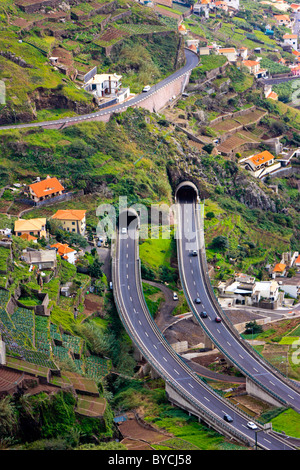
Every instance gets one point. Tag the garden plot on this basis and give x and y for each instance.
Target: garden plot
(236, 141)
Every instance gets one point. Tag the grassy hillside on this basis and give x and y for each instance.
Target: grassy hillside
(122, 37)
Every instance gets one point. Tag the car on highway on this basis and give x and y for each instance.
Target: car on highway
(228, 418)
(197, 301)
(218, 319)
(124, 230)
(146, 88)
(175, 296)
(194, 253)
(203, 314)
(251, 425)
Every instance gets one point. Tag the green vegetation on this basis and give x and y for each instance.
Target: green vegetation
(146, 47)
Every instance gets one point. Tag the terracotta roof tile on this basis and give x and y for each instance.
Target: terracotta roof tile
(46, 187)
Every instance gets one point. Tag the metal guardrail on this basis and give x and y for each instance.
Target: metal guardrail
(206, 415)
(229, 324)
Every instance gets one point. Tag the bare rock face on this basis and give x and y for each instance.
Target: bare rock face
(248, 192)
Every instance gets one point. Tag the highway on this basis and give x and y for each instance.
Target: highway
(195, 281)
(151, 343)
(192, 61)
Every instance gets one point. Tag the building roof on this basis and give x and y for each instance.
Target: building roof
(272, 95)
(250, 63)
(181, 27)
(69, 214)
(29, 225)
(282, 17)
(262, 157)
(104, 77)
(290, 36)
(279, 268)
(46, 187)
(28, 237)
(297, 260)
(62, 249)
(228, 49)
(295, 6)
(40, 256)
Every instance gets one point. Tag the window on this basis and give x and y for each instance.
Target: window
(73, 229)
(73, 223)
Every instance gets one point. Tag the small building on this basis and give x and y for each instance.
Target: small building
(297, 262)
(269, 93)
(253, 67)
(283, 20)
(202, 7)
(229, 52)
(29, 238)
(105, 84)
(71, 220)
(33, 227)
(290, 40)
(182, 29)
(221, 5)
(295, 7)
(65, 252)
(279, 270)
(260, 164)
(243, 52)
(235, 4)
(45, 189)
(40, 259)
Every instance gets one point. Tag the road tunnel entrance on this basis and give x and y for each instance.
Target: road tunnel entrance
(186, 192)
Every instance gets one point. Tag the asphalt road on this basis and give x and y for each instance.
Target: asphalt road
(155, 349)
(195, 287)
(191, 62)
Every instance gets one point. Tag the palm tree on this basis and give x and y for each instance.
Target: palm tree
(8, 417)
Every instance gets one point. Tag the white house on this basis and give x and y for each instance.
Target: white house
(260, 164)
(105, 84)
(253, 67)
(228, 52)
(65, 252)
(290, 40)
(233, 4)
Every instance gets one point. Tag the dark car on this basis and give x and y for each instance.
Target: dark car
(197, 301)
(228, 418)
(194, 253)
(203, 315)
(218, 319)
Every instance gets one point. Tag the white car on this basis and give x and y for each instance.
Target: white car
(175, 296)
(124, 230)
(146, 88)
(251, 425)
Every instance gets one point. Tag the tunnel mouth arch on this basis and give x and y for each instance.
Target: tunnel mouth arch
(127, 217)
(186, 191)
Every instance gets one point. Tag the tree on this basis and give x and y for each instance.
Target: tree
(220, 242)
(253, 328)
(95, 269)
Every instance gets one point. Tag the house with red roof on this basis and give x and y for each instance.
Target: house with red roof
(65, 252)
(45, 189)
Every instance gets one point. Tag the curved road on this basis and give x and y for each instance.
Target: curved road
(195, 286)
(153, 346)
(192, 61)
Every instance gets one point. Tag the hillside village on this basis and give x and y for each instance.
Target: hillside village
(234, 130)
